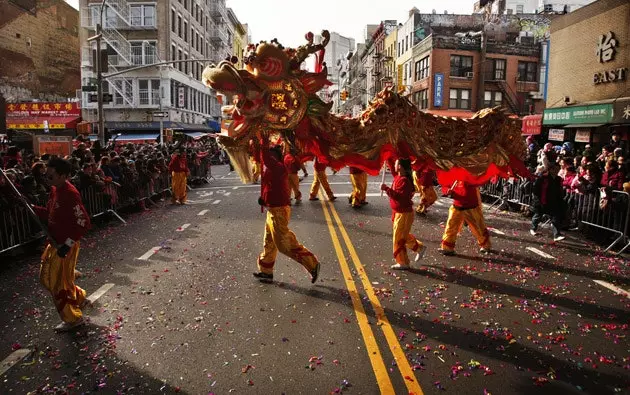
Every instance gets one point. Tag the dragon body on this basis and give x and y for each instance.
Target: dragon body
(274, 98)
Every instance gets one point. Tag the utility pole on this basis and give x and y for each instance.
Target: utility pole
(99, 75)
(482, 75)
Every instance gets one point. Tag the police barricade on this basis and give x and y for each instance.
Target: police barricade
(513, 190)
(99, 200)
(613, 217)
(17, 227)
(493, 190)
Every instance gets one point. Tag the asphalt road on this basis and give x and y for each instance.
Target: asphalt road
(181, 312)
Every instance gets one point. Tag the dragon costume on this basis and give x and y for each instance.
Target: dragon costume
(273, 97)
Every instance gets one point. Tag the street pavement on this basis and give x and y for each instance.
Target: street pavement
(178, 310)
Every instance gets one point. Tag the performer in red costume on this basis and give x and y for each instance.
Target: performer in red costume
(67, 223)
(278, 236)
(293, 166)
(359, 187)
(400, 195)
(424, 185)
(321, 178)
(179, 170)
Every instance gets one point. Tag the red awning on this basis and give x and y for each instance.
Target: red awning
(38, 122)
(451, 113)
(532, 124)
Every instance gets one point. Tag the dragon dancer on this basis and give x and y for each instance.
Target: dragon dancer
(321, 178)
(423, 180)
(68, 221)
(359, 187)
(400, 195)
(466, 208)
(179, 170)
(278, 237)
(293, 167)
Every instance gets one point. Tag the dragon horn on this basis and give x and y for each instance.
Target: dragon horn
(304, 51)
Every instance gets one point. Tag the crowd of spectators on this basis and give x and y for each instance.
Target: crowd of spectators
(119, 171)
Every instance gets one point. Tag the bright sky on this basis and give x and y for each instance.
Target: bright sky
(289, 20)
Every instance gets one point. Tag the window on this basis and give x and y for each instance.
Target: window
(460, 65)
(185, 37)
(179, 25)
(149, 92)
(492, 98)
(173, 21)
(173, 52)
(498, 70)
(519, 8)
(422, 68)
(548, 8)
(527, 71)
(142, 15)
(421, 99)
(186, 63)
(143, 52)
(110, 19)
(124, 86)
(459, 98)
(180, 57)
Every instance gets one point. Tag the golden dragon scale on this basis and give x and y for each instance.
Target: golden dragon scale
(274, 100)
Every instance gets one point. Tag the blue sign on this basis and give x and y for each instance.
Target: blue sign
(438, 89)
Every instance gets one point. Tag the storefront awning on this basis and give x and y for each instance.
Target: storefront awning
(136, 137)
(40, 122)
(451, 113)
(532, 124)
(583, 125)
(196, 135)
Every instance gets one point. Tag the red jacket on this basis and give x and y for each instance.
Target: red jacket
(274, 181)
(613, 179)
(320, 166)
(465, 196)
(400, 195)
(355, 170)
(67, 218)
(292, 164)
(178, 164)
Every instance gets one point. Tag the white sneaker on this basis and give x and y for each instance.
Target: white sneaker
(533, 232)
(559, 238)
(66, 326)
(484, 251)
(398, 266)
(420, 253)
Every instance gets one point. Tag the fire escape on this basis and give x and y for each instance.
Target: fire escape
(117, 17)
(217, 34)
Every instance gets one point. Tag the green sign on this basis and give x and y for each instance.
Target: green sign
(594, 113)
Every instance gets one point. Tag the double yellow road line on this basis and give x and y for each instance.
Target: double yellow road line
(376, 359)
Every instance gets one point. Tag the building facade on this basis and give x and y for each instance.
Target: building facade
(589, 90)
(137, 33)
(336, 52)
(38, 63)
(240, 40)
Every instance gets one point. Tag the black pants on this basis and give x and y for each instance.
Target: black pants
(556, 215)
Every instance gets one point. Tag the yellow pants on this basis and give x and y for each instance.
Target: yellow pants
(427, 198)
(359, 188)
(179, 187)
(57, 276)
(255, 171)
(474, 218)
(321, 178)
(294, 186)
(402, 238)
(278, 237)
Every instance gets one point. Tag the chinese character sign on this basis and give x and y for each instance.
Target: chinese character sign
(605, 49)
(438, 89)
(24, 110)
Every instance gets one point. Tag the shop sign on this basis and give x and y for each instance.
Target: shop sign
(595, 113)
(622, 112)
(40, 109)
(52, 145)
(438, 89)
(556, 135)
(582, 136)
(532, 124)
(605, 52)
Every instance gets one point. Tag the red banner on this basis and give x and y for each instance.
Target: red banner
(31, 110)
(532, 124)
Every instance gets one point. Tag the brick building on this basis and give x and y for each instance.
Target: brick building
(589, 90)
(453, 74)
(39, 51)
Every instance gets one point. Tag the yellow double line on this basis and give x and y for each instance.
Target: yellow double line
(378, 365)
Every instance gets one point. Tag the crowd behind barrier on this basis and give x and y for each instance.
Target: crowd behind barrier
(109, 180)
(609, 211)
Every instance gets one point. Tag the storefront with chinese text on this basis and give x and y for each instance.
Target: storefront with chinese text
(25, 120)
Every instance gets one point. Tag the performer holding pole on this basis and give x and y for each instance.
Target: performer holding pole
(359, 187)
(423, 181)
(321, 178)
(278, 236)
(400, 195)
(68, 221)
(293, 166)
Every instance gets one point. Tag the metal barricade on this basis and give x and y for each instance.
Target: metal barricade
(17, 228)
(98, 201)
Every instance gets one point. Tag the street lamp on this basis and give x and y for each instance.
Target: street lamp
(99, 74)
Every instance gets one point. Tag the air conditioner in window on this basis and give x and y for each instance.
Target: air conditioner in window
(469, 74)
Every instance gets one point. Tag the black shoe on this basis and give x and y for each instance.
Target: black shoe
(349, 199)
(447, 252)
(264, 277)
(363, 203)
(332, 199)
(315, 273)
(313, 198)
